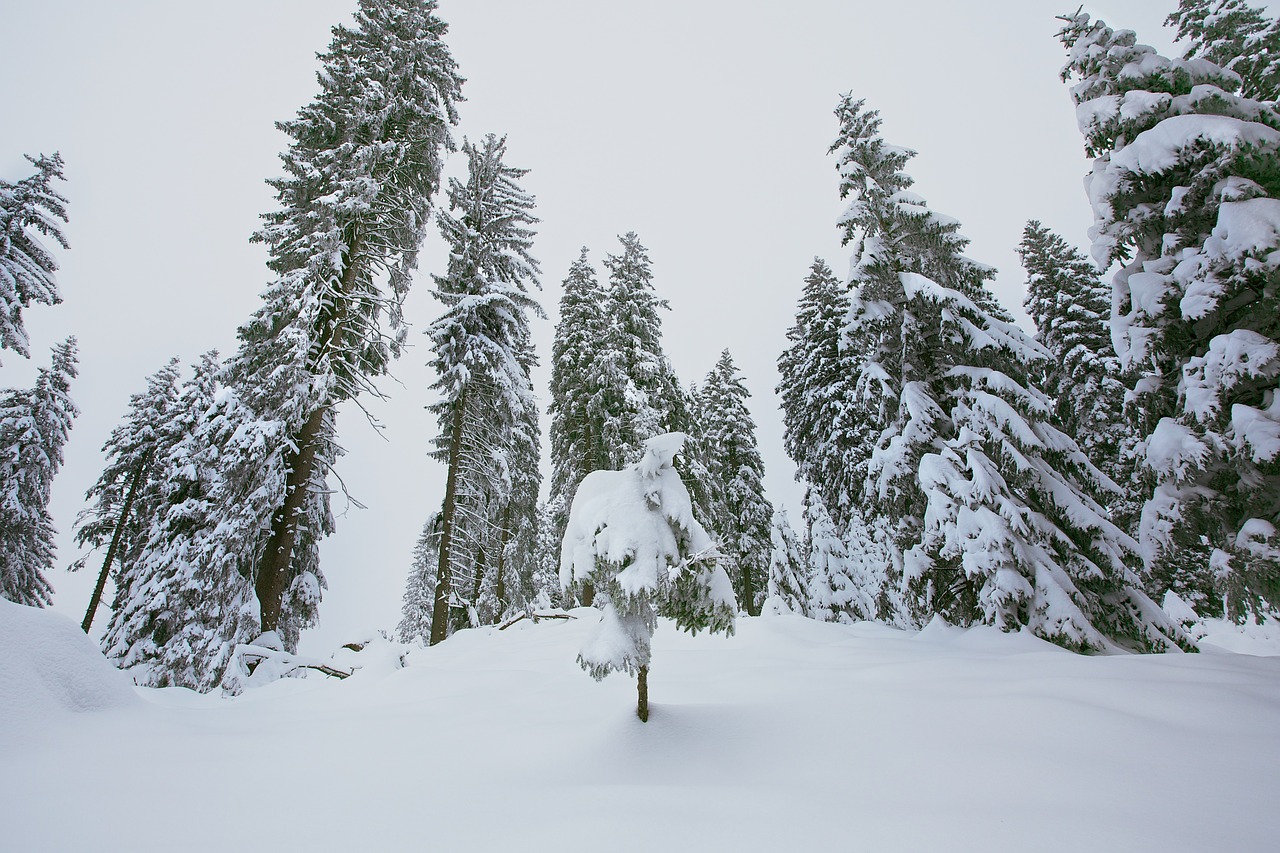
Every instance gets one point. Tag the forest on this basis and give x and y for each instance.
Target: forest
(1105, 478)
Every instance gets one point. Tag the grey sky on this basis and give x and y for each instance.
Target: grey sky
(702, 126)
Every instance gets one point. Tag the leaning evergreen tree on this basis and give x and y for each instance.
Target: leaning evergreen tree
(1186, 193)
(1071, 308)
(122, 501)
(29, 209)
(361, 169)
(34, 425)
(634, 535)
(816, 389)
(483, 357)
(987, 502)
(1235, 36)
(743, 524)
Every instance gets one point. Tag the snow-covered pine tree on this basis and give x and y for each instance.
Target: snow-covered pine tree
(634, 535)
(361, 169)
(788, 575)
(123, 501)
(742, 525)
(836, 592)
(576, 425)
(816, 388)
(28, 209)
(486, 410)
(420, 588)
(34, 425)
(1185, 190)
(1071, 308)
(1235, 36)
(987, 503)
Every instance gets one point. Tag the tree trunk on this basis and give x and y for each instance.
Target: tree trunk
(273, 569)
(642, 687)
(134, 482)
(440, 612)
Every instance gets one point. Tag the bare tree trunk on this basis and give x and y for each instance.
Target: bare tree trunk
(448, 513)
(642, 687)
(134, 483)
(273, 568)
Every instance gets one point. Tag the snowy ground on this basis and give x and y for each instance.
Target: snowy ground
(792, 735)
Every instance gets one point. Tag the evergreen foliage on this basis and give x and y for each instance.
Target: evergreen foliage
(986, 503)
(1184, 189)
(29, 209)
(788, 576)
(488, 416)
(420, 587)
(1235, 36)
(742, 518)
(34, 425)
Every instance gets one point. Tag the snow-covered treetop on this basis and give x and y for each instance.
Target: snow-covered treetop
(28, 209)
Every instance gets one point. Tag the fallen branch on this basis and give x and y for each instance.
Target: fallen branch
(535, 617)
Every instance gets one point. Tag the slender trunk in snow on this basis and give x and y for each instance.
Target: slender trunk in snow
(440, 613)
(134, 482)
(642, 687)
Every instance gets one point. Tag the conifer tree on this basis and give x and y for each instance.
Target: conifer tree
(742, 523)
(816, 388)
(361, 169)
(837, 593)
(788, 575)
(486, 411)
(1071, 309)
(29, 209)
(420, 587)
(34, 425)
(123, 500)
(1186, 193)
(988, 503)
(1235, 36)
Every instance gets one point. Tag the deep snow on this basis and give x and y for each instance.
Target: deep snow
(791, 735)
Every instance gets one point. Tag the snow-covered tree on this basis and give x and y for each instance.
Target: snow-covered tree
(837, 593)
(29, 209)
(123, 501)
(742, 517)
(1235, 36)
(633, 534)
(420, 588)
(34, 425)
(487, 412)
(818, 410)
(361, 169)
(986, 502)
(1071, 308)
(1186, 198)
(788, 575)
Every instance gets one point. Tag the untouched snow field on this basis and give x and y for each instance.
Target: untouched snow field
(791, 735)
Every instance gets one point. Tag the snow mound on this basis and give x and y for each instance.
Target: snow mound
(49, 666)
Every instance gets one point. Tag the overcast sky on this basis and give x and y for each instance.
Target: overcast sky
(702, 126)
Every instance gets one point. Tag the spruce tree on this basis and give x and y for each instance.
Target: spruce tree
(736, 472)
(420, 587)
(836, 591)
(788, 575)
(986, 502)
(361, 169)
(123, 500)
(1186, 193)
(29, 209)
(486, 412)
(34, 425)
(1235, 36)
(1071, 308)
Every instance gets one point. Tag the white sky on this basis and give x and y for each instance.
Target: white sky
(702, 126)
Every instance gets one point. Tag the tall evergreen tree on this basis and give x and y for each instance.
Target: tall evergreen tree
(816, 388)
(34, 425)
(361, 169)
(1235, 36)
(124, 499)
(743, 521)
(1071, 308)
(1186, 193)
(29, 209)
(487, 412)
(989, 502)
